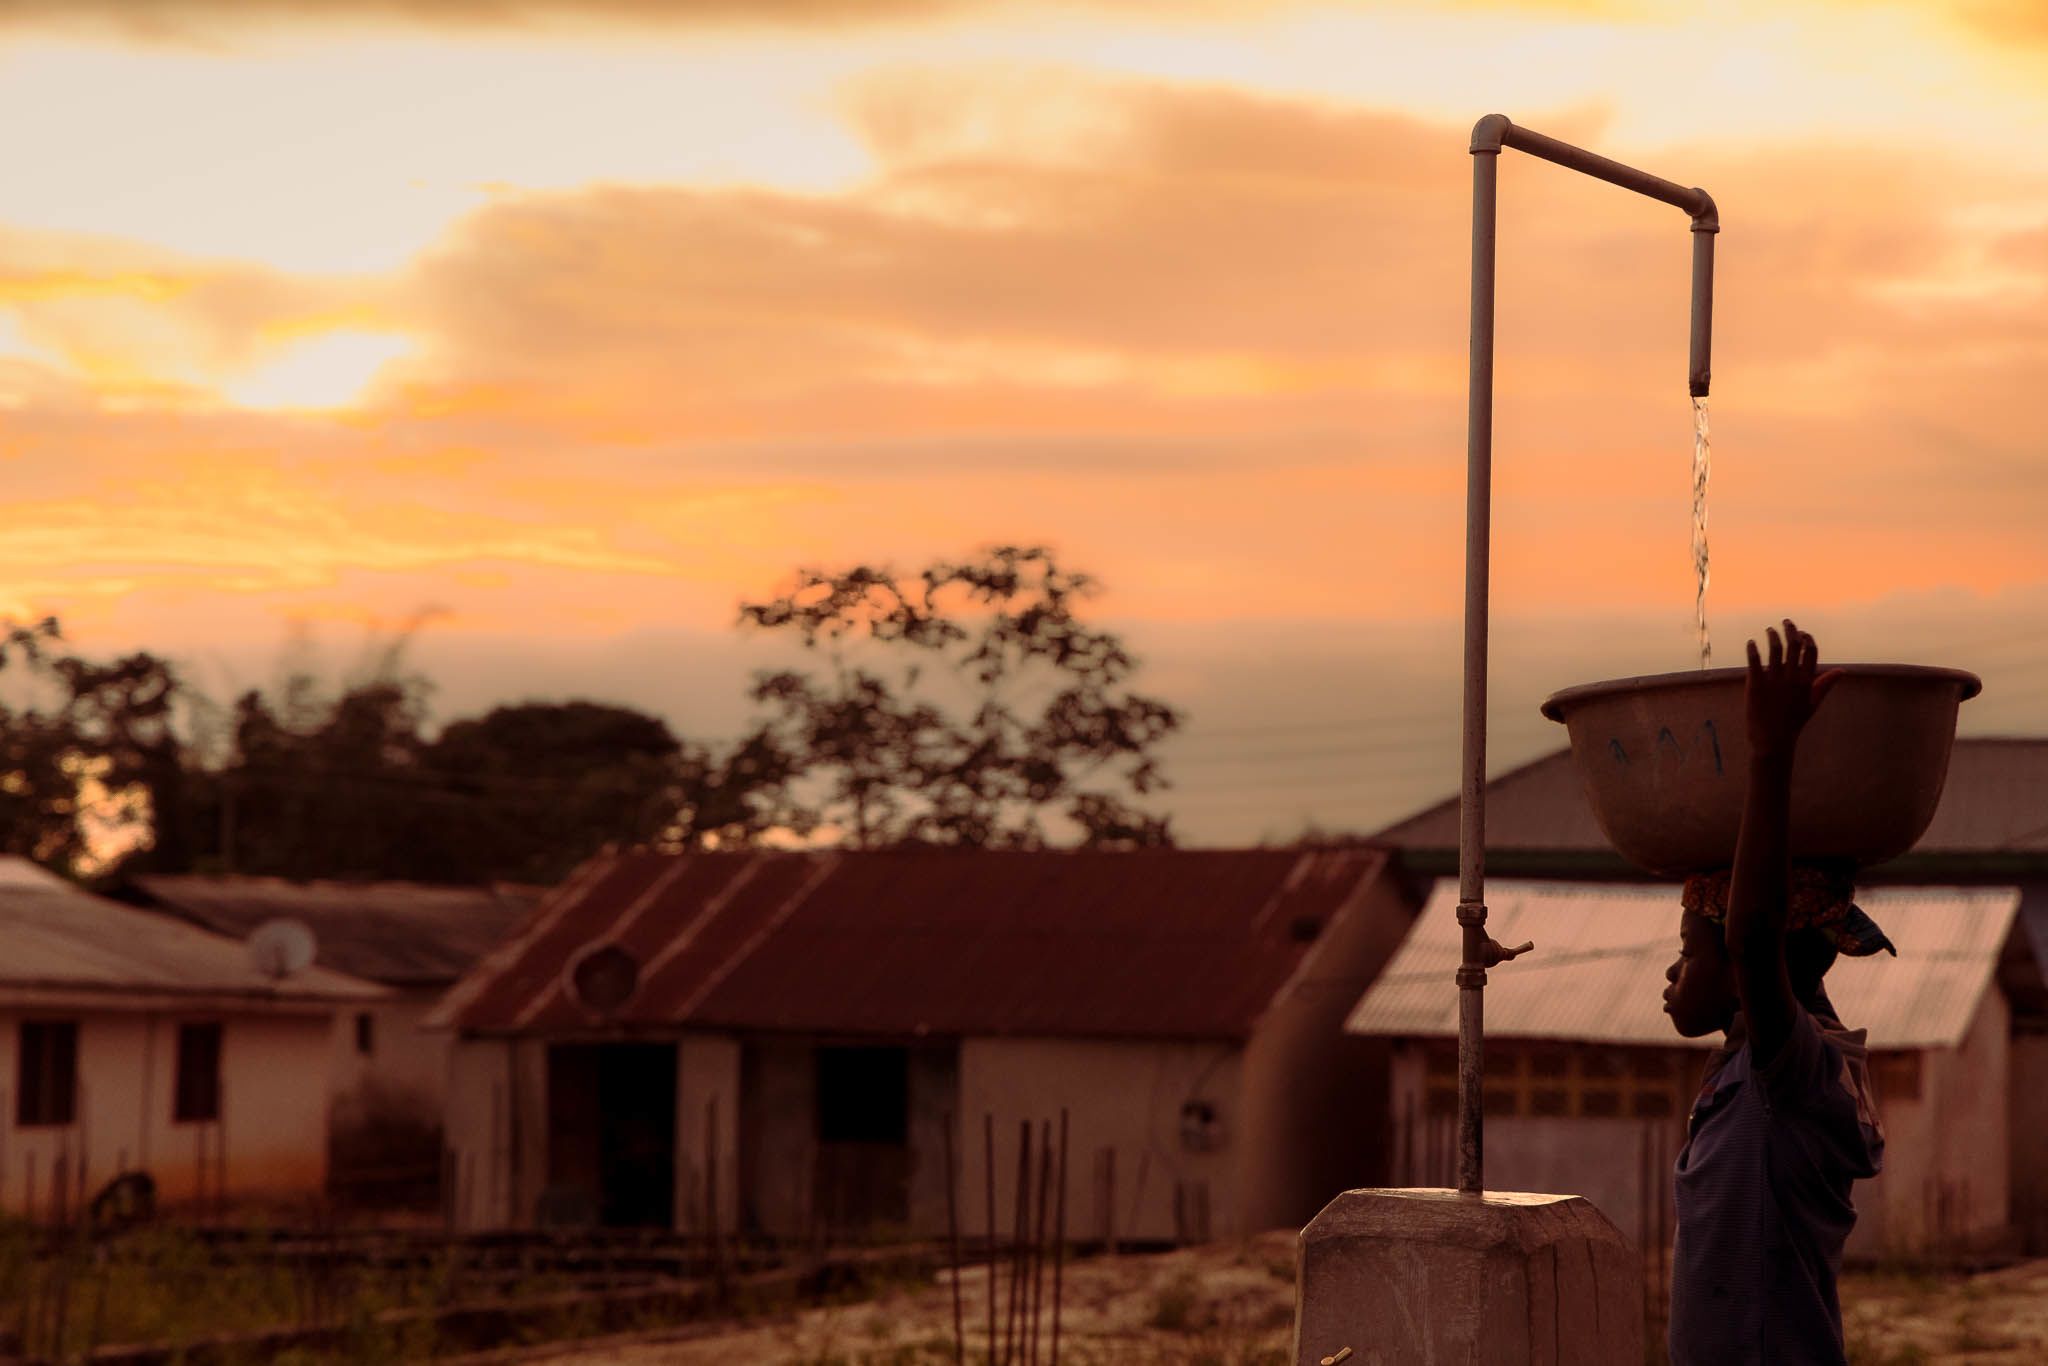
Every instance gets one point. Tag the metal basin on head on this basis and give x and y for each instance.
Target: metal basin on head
(1665, 762)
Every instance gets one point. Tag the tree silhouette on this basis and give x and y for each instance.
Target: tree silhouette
(959, 706)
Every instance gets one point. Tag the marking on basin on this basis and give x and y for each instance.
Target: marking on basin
(1620, 754)
(1712, 733)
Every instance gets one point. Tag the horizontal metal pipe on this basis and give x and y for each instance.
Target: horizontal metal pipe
(1628, 177)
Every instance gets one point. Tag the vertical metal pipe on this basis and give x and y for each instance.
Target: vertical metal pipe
(1704, 229)
(1472, 788)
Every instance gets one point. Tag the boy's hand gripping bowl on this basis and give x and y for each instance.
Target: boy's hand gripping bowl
(1665, 761)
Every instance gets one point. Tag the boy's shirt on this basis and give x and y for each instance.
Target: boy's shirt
(1763, 1199)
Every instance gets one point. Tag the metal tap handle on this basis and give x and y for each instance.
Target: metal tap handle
(1500, 953)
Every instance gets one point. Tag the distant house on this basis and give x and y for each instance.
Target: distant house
(795, 1033)
(1989, 833)
(138, 1043)
(389, 1074)
(1991, 825)
(1587, 1086)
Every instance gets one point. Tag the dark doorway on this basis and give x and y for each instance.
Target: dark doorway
(863, 1176)
(612, 1130)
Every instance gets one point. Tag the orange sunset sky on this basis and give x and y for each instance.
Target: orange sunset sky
(577, 324)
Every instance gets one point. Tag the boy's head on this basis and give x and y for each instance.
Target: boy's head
(1702, 998)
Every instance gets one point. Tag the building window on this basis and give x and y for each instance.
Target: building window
(1547, 1079)
(1895, 1076)
(864, 1095)
(366, 1033)
(196, 1095)
(48, 1073)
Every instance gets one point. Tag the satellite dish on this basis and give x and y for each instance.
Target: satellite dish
(603, 978)
(279, 948)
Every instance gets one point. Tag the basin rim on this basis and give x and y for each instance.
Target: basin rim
(1559, 703)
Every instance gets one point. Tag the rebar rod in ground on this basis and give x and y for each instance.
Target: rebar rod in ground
(1059, 1238)
(99, 1308)
(1031, 1335)
(988, 1173)
(220, 1146)
(953, 1247)
(1019, 1213)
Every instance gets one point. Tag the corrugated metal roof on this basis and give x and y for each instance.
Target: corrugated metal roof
(1995, 801)
(58, 937)
(1597, 974)
(1156, 943)
(401, 933)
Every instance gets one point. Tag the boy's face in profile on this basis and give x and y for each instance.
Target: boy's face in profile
(1701, 998)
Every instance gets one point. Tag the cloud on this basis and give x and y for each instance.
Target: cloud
(208, 21)
(129, 318)
(1209, 343)
(217, 23)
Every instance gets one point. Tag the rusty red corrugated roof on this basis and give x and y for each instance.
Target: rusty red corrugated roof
(1155, 943)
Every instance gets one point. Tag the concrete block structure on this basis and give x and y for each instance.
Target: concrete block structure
(1504, 1279)
(782, 1042)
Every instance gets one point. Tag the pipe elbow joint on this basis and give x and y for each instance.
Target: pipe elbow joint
(1707, 216)
(1490, 133)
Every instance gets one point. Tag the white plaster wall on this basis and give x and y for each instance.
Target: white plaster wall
(934, 1097)
(1952, 1143)
(707, 1130)
(1955, 1138)
(484, 1168)
(1315, 1098)
(1122, 1096)
(1622, 1166)
(496, 1117)
(408, 1063)
(778, 1133)
(779, 1095)
(274, 1103)
(2027, 1125)
(271, 1139)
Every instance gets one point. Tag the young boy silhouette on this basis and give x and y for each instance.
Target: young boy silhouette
(1785, 1121)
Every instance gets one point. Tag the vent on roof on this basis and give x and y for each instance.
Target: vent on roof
(279, 948)
(603, 978)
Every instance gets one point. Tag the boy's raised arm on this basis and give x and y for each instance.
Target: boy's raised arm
(1781, 697)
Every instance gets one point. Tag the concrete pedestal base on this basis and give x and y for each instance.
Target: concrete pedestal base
(1435, 1278)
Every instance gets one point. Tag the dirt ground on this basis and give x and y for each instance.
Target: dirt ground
(1233, 1305)
(1225, 1305)
(1995, 1318)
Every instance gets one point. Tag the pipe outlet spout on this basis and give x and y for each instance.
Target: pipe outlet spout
(1497, 131)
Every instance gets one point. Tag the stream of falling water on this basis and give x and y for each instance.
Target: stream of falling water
(1702, 462)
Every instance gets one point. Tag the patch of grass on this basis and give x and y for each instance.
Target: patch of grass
(1972, 1336)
